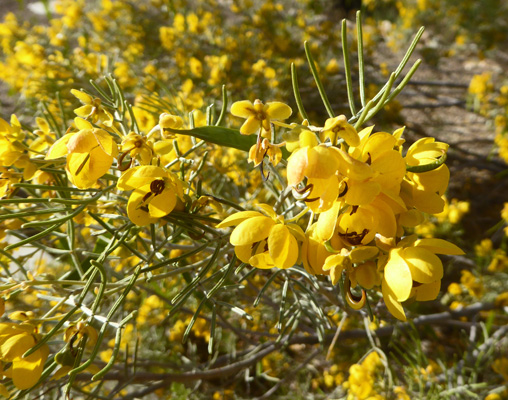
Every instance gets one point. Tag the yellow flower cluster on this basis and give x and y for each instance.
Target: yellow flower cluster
(365, 192)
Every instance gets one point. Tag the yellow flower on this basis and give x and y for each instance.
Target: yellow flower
(359, 224)
(76, 332)
(412, 269)
(338, 127)
(319, 163)
(259, 115)
(136, 145)
(500, 366)
(504, 212)
(15, 340)
(346, 258)
(258, 151)
(484, 248)
(473, 285)
(373, 167)
(425, 190)
(44, 136)
(155, 194)
(169, 121)
(92, 109)
(12, 149)
(90, 153)
(264, 241)
(315, 253)
(499, 261)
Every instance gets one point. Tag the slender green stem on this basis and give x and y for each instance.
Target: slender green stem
(363, 115)
(347, 69)
(382, 102)
(319, 84)
(397, 71)
(296, 92)
(224, 108)
(361, 72)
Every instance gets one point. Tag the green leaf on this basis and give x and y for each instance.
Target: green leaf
(223, 137)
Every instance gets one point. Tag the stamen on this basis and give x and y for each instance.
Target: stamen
(157, 186)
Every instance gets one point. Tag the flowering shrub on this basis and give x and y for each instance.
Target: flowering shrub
(157, 235)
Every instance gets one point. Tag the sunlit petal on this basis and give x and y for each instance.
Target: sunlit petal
(251, 230)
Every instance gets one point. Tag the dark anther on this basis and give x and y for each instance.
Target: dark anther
(265, 178)
(145, 198)
(120, 162)
(157, 186)
(353, 238)
(74, 351)
(354, 209)
(343, 193)
(307, 200)
(307, 188)
(369, 160)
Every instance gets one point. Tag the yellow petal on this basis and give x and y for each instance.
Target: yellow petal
(244, 253)
(83, 111)
(82, 96)
(361, 193)
(391, 302)
(85, 172)
(322, 163)
(397, 276)
(335, 274)
(136, 177)
(367, 275)
(386, 222)
(327, 190)
(353, 168)
(327, 221)
(251, 230)
(59, 148)
(307, 139)
(4, 392)
(425, 266)
(296, 231)
(411, 218)
(278, 111)
(106, 142)
(391, 168)
(362, 253)
(428, 291)
(297, 165)
(427, 201)
(237, 218)
(282, 246)
(82, 142)
(162, 204)
(16, 345)
(378, 143)
(250, 126)
(268, 210)
(136, 214)
(243, 109)
(42, 124)
(334, 261)
(82, 124)
(262, 261)
(27, 371)
(439, 246)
